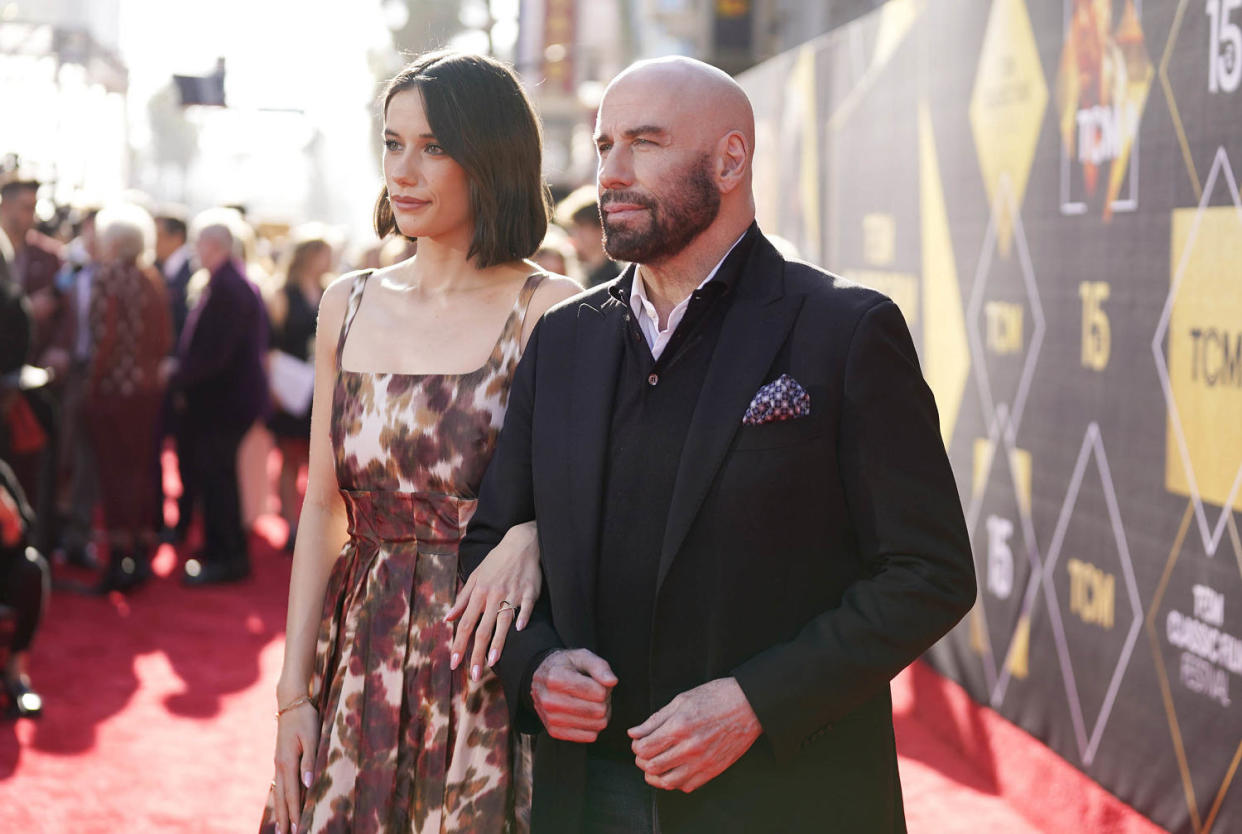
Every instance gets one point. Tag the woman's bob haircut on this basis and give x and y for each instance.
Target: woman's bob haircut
(481, 116)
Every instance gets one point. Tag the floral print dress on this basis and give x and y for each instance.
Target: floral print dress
(406, 745)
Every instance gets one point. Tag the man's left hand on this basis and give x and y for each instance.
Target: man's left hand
(696, 736)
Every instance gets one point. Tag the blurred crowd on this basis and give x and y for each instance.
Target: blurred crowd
(132, 330)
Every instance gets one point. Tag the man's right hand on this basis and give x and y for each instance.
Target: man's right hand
(571, 691)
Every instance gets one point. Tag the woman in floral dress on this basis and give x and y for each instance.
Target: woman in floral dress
(379, 729)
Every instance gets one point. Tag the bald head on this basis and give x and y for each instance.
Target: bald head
(675, 139)
(691, 92)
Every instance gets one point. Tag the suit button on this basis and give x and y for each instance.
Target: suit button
(653, 379)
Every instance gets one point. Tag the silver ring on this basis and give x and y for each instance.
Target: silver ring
(505, 605)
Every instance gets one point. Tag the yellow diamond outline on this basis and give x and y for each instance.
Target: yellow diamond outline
(1201, 826)
(1009, 25)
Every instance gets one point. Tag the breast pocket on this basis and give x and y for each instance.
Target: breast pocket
(778, 434)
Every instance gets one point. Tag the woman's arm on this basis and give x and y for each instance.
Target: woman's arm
(321, 534)
(502, 591)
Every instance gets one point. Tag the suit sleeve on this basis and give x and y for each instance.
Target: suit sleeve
(222, 328)
(506, 499)
(918, 579)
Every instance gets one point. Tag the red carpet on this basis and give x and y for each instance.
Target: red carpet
(158, 718)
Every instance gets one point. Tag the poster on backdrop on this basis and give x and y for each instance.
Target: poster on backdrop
(1049, 191)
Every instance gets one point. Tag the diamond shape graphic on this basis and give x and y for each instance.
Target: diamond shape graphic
(1092, 447)
(1204, 719)
(1007, 107)
(1004, 205)
(1010, 574)
(1221, 484)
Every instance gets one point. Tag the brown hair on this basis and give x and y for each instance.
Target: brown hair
(481, 116)
(307, 244)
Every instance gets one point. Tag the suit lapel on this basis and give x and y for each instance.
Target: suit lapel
(597, 353)
(752, 333)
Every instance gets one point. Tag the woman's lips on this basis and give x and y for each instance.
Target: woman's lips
(408, 203)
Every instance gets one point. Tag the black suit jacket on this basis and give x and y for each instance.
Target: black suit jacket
(221, 354)
(811, 559)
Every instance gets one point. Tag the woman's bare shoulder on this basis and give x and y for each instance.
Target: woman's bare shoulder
(552, 291)
(336, 297)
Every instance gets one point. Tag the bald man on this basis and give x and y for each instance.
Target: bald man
(747, 519)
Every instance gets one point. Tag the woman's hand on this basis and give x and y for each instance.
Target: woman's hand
(509, 579)
(297, 736)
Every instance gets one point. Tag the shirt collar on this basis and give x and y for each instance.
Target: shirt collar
(177, 260)
(726, 278)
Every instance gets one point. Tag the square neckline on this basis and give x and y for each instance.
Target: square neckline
(354, 306)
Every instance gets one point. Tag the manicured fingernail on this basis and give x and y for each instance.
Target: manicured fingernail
(293, 826)
(474, 672)
(521, 624)
(454, 660)
(491, 658)
(306, 778)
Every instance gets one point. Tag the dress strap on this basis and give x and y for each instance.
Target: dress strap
(509, 346)
(523, 300)
(351, 310)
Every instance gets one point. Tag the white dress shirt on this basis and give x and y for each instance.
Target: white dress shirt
(649, 319)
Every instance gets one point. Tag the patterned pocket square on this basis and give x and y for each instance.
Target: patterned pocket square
(782, 399)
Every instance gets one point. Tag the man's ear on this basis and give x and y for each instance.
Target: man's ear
(732, 160)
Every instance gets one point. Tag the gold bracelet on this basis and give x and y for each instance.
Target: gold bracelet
(296, 702)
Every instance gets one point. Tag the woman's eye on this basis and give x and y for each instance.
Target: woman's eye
(433, 148)
(392, 145)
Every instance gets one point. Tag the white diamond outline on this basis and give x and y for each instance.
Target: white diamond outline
(1211, 539)
(1069, 208)
(1004, 191)
(1092, 442)
(1001, 430)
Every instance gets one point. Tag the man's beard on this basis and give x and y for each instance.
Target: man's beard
(691, 207)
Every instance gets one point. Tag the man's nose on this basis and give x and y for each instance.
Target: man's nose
(615, 170)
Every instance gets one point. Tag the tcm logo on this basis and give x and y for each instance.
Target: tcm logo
(1205, 353)
(1102, 132)
(1102, 86)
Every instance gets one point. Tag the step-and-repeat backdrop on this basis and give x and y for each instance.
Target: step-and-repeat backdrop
(1049, 190)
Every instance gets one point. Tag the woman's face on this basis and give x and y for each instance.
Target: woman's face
(428, 189)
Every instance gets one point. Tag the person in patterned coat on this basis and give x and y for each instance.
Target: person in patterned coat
(131, 330)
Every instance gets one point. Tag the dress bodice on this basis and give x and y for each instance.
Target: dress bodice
(424, 433)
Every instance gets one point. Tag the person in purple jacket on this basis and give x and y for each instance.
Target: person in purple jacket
(222, 390)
